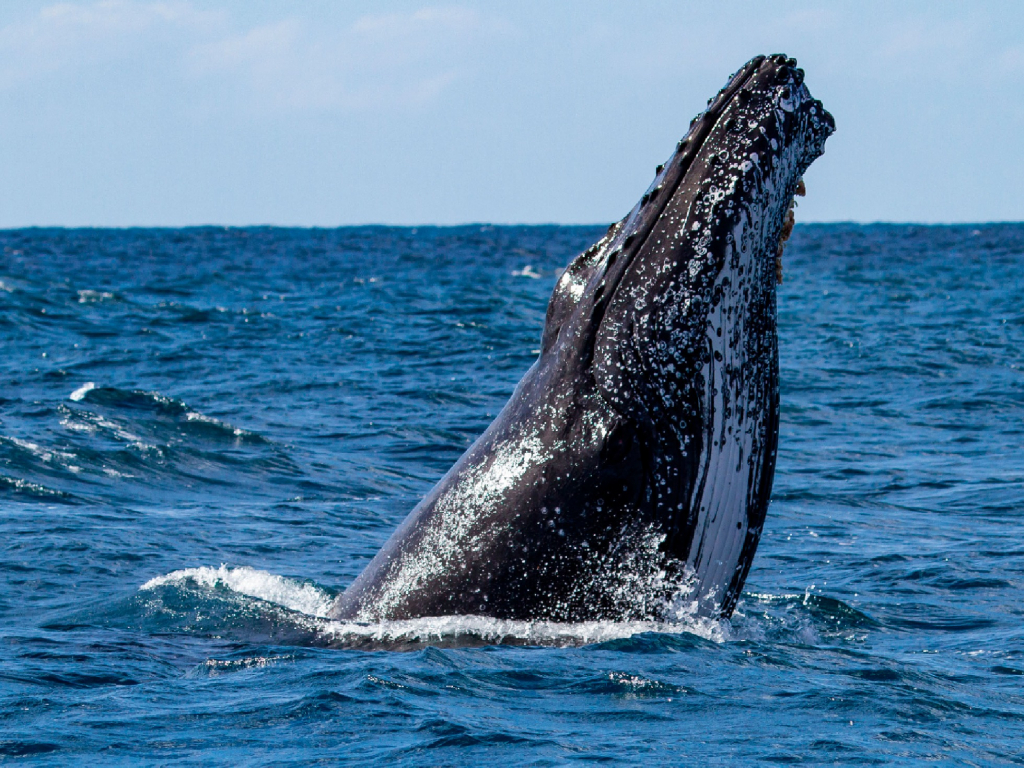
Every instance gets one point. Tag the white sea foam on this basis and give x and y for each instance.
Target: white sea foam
(315, 603)
(527, 271)
(291, 594)
(497, 631)
(24, 485)
(203, 418)
(87, 296)
(45, 454)
(80, 393)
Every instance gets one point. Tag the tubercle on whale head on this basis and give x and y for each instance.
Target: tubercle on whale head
(754, 140)
(595, 272)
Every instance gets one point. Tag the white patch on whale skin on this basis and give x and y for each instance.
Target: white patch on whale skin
(574, 287)
(456, 524)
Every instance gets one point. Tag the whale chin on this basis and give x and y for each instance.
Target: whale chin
(629, 475)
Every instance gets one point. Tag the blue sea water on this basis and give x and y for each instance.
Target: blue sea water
(206, 433)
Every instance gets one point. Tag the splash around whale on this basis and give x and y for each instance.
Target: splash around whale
(628, 477)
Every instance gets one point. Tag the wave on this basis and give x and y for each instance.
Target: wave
(254, 605)
(165, 408)
(301, 596)
(18, 488)
(108, 435)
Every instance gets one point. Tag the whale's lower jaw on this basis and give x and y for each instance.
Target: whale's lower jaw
(629, 474)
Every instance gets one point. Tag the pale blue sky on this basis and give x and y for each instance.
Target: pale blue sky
(131, 112)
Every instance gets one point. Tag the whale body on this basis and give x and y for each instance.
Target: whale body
(629, 474)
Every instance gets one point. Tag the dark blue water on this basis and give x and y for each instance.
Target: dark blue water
(205, 433)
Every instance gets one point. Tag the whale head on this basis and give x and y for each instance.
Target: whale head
(629, 474)
(673, 314)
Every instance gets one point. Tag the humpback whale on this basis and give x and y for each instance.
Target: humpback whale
(628, 476)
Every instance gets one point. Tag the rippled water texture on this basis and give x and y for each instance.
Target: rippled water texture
(205, 433)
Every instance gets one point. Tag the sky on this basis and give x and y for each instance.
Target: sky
(173, 113)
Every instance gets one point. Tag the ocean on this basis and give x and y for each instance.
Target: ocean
(206, 433)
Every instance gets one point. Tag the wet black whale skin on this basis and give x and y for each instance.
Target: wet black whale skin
(630, 472)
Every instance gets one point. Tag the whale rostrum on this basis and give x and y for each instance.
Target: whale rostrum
(628, 476)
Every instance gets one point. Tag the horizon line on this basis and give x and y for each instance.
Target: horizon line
(381, 225)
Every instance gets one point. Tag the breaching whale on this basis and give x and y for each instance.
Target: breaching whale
(629, 474)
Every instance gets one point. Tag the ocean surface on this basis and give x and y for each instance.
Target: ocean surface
(206, 433)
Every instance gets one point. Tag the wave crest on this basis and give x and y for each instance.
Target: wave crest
(299, 596)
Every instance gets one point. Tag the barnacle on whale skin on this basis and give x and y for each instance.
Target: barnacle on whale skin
(787, 229)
